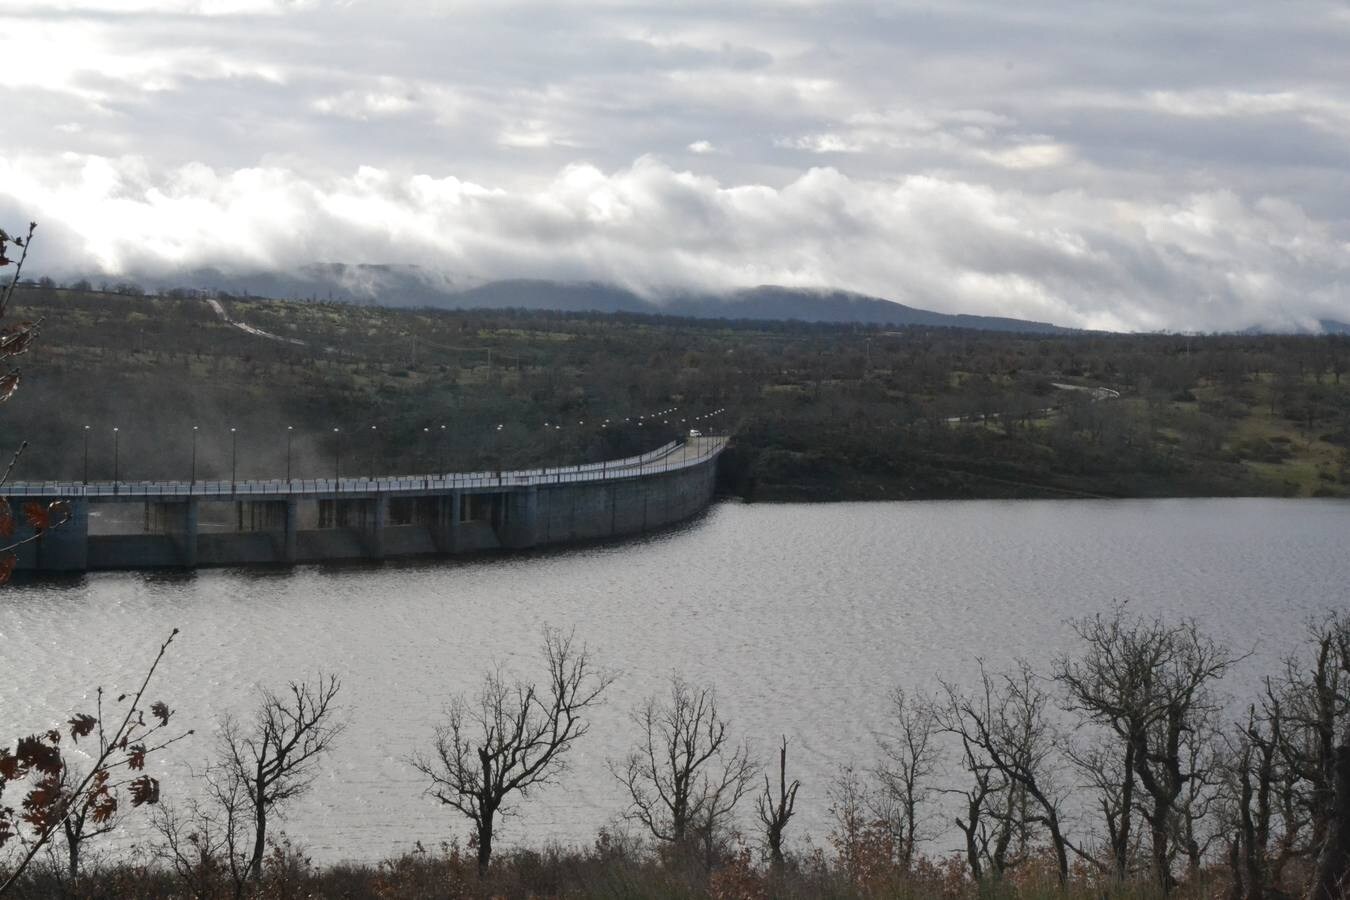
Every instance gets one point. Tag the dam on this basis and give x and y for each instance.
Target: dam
(180, 524)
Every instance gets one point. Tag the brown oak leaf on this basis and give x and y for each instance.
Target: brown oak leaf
(35, 753)
(144, 790)
(81, 725)
(104, 808)
(36, 514)
(10, 767)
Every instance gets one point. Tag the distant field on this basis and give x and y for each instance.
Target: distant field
(819, 411)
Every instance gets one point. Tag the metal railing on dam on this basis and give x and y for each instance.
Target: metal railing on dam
(674, 455)
(202, 523)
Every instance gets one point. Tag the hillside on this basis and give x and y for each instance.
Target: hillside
(820, 411)
(411, 286)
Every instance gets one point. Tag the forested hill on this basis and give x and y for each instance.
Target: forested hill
(819, 411)
(410, 286)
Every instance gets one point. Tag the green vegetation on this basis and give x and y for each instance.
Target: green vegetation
(819, 411)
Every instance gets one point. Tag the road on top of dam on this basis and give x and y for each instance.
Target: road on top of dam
(675, 455)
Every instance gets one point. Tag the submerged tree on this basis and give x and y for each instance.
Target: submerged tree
(512, 737)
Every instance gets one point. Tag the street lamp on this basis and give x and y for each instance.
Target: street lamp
(499, 455)
(234, 457)
(194, 455)
(86, 454)
(372, 453)
(116, 469)
(337, 459)
(290, 433)
(442, 450)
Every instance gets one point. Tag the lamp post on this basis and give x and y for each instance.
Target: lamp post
(234, 457)
(290, 433)
(498, 448)
(116, 460)
(442, 450)
(86, 454)
(337, 459)
(372, 453)
(194, 456)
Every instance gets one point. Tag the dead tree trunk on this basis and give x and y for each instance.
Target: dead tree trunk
(775, 811)
(1333, 862)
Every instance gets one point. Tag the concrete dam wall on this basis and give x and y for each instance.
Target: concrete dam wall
(265, 523)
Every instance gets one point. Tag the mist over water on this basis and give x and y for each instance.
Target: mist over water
(803, 616)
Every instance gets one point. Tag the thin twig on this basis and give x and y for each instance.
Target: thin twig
(7, 292)
(13, 462)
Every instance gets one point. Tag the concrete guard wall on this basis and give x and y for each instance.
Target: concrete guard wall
(497, 519)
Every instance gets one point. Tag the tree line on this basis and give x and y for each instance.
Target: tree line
(1121, 768)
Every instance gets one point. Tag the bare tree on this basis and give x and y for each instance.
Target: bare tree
(1109, 771)
(910, 755)
(1151, 684)
(986, 847)
(855, 836)
(685, 777)
(1005, 719)
(776, 809)
(1313, 696)
(81, 825)
(1281, 799)
(512, 737)
(206, 839)
(1249, 809)
(1332, 876)
(1194, 823)
(276, 759)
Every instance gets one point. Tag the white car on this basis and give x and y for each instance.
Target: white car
(694, 432)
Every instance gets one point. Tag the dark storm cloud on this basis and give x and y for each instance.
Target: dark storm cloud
(1144, 165)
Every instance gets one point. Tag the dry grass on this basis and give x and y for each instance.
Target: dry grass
(607, 871)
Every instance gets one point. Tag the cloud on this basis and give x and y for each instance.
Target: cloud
(936, 242)
(1150, 165)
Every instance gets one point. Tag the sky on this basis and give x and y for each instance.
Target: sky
(1129, 166)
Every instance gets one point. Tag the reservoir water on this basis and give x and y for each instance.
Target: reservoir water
(802, 616)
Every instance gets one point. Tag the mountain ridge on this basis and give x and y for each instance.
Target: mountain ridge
(411, 286)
